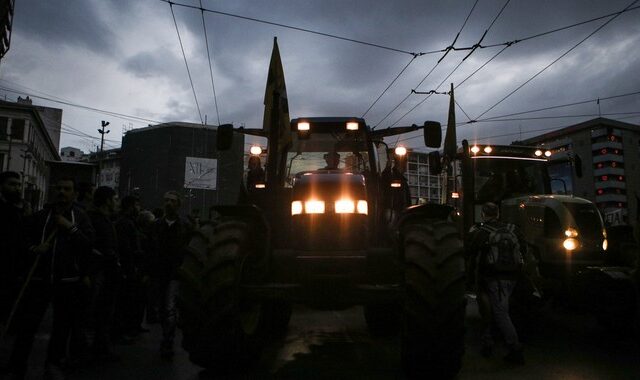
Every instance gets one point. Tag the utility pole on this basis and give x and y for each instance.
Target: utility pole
(100, 154)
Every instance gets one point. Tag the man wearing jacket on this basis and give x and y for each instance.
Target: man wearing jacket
(171, 236)
(60, 238)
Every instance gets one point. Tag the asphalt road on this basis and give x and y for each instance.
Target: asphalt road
(336, 345)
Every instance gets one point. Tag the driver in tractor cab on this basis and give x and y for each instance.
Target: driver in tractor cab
(332, 159)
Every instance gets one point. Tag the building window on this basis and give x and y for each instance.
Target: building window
(17, 129)
(4, 132)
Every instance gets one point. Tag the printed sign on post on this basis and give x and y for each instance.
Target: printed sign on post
(200, 173)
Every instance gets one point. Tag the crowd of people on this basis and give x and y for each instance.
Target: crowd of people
(101, 263)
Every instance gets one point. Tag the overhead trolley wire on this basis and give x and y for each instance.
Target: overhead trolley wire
(446, 51)
(206, 40)
(185, 61)
(105, 112)
(459, 64)
(628, 9)
(389, 86)
(329, 35)
(561, 106)
(554, 61)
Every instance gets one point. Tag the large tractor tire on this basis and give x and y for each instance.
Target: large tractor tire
(383, 320)
(434, 301)
(222, 330)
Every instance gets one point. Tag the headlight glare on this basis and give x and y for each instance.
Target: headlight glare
(296, 207)
(571, 232)
(314, 207)
(345, 206)
(363, 208)
(570, 244)
(605, 245)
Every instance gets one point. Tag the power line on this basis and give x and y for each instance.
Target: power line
(389, 86)
(329, 35)
(446, 51)
(558, 117)
(185, 61)
(554, 61)
(628, 9)
(213, 86)
(105, 112)
(560, 106)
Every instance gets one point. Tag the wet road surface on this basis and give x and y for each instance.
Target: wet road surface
(336, 345)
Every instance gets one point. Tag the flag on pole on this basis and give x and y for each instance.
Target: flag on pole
(276, 106)
(450, 145)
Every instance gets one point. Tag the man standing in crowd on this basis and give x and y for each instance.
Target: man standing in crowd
(12, 240)
(132, 299)
(171, 236)
(60, 239)
(104, 273)
(496, 250)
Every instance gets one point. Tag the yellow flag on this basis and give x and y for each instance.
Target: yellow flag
(450, 145)
(276, 92)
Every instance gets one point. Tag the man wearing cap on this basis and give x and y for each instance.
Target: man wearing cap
(495, 286)
(171, 236)
(333, 160)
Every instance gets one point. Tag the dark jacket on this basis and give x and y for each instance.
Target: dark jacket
(129, 246)
(105, 246)
(66, 260)
(477, 245)
(13, 244)
(170, 241)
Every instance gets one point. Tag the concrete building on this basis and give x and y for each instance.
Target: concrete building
(610, 154)
(71, 154)
(181, 156)
(26, 147)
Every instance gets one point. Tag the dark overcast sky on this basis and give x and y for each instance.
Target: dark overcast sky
(124, 56)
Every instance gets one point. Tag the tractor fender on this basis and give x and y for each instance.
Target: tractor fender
(423, 212)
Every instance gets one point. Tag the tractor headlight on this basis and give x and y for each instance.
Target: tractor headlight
(570, 244)
(296, 207)
(571, 232)
(475, 149)
(605, 245)
(352, 126)
(303, 126)
(314, 207)
(345, 206)
(362, 207)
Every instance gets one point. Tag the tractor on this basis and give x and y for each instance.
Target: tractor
(327, 224)
(567, 245)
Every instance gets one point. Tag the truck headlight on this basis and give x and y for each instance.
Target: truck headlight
(314, 207)
(570, 244)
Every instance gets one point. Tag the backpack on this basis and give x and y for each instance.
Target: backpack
(503, 254)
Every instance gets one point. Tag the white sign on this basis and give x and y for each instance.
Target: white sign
(614, 217)
(200, 173)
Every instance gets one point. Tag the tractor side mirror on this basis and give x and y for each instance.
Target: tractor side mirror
(577, 164)
(432, 134)
(224, 137)
(435, 164)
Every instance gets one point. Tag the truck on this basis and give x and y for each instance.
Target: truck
(327, 224)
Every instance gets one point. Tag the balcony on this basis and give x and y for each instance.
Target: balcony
(608, 157)
(611, 198)
(610, 185)
(608, 171)
(606, 144)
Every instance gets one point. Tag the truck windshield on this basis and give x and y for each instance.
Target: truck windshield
(339, 151)
(500, 178)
